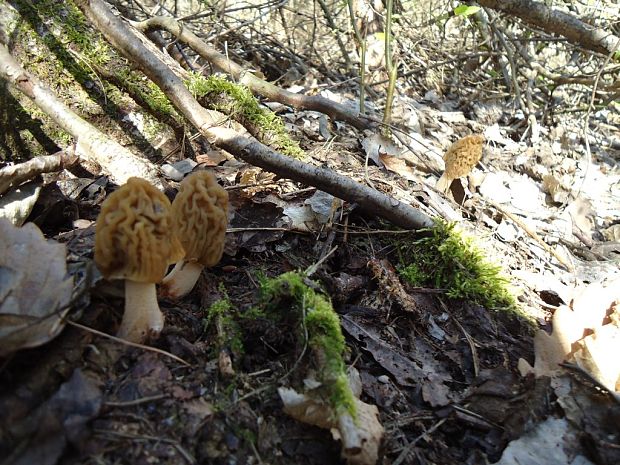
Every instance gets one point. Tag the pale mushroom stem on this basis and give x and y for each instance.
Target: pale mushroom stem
(181, 280)
(142, 318)
(443, 185)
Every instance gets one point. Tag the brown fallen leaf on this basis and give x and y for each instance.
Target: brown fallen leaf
(35, 289)
(399, 166)
(61, 421)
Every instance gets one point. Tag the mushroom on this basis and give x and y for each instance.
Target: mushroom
(460, 159)
(135, 241)
(200, 215)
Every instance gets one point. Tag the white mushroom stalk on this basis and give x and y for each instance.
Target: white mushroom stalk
(142, 319)
(199, 215)
(182, 279)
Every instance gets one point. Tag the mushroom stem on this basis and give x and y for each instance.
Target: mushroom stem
(181, 280)
(443, 185)
(142, 318)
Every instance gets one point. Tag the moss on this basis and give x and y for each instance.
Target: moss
(64, 30)
(56, 42)
(446, 258)
(241, 106)
(148, 92)
(249, 436)
(223, 315)
(319, 325)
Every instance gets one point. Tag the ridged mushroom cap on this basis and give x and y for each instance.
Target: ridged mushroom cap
(200, 214)
(463, 155)
(135, 237)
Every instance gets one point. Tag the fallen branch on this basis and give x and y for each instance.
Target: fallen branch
(550, 20)
(91, 144)
(12, 176)
(210, 124)
(254, 83)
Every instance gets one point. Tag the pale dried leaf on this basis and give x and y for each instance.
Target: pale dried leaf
(370, 431)
(612, 233)
(551, 350)
(588, 335)
(597, 353)
(34, 287)
(376, 145)
(360, 438)
(18, 203)
(552, 442)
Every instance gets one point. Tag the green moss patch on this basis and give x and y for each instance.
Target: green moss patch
(318, 326)
(223, 316)
(238, 102)
(446, 258)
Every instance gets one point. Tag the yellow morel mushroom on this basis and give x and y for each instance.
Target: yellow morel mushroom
(460, 159)
(135, 241)
(200, 216)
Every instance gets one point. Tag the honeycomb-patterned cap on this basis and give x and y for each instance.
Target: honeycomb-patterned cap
(463, 155)
(135, 237)
(200, 214)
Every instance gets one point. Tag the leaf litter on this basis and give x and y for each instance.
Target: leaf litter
(439, 376)
(35, 289)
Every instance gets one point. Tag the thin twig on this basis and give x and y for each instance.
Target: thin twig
(569, 266)
(403, 455)
(131, 403)
(470, 340)
(128, 343)
(186, 455)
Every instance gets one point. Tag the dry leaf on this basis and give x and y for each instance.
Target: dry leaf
(360, 439)
(377, 145)
(552, 442)
(597, 353)
(323, 205)
(612, 233)
(17, 204)
(60, 423)
(588, 335)
(398, 166)
(34, 287)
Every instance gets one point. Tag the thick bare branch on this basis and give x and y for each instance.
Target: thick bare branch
(11, 176)
(209, 123)
(91, 144)
(539, 15)
(255, 84)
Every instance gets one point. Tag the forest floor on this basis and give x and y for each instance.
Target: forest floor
(445, 374)
(442, 372)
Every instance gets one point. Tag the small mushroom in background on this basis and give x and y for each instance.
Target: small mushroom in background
(200, 216)
(460, 159)
(135, 241)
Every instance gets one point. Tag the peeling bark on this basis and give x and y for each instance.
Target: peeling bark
(558, 22)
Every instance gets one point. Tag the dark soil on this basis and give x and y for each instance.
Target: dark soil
(442, 372)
